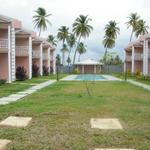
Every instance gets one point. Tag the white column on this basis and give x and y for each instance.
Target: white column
(125, 61)
(30, 57)
(9, 54)
(145, 58)
(133, 55)
(83, 69)
(48, 59)
(54, 62)
(95, 69)
(41, 59)
(13, 55)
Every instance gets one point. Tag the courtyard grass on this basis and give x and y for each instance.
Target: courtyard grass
(17, 86)
(41, 79)
(7, 89)
(61, 117)
(135, 78)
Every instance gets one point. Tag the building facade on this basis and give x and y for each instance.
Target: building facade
(21, 47)
(137, 56)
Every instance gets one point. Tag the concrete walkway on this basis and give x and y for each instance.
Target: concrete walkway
(19, 95)
(147, 87)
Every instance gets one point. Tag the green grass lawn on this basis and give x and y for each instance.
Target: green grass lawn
(42, 79)
(7, 89)
(139, 79)
(17, 86)
(61, 115)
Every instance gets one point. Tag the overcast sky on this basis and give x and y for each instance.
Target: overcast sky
(64, 12)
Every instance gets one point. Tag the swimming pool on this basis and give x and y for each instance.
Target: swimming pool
(90, 77)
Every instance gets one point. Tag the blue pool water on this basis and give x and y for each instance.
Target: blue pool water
(89, 77)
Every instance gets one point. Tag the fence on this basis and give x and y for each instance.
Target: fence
(113, 68)
(105, 69)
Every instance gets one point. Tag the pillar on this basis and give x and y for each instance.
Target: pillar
(133, 55)
(30, 57)
(9, 54)
(82, 69)
(41, 59)
(145, 58)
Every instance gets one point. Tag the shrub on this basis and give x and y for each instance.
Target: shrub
(129, 72)
(51, 70)
(35, 70)
(45, 71)
(138, 73)
(21, 73)
(2, 81)
(76, 71)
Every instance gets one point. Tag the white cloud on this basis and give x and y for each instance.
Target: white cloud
(64, 12)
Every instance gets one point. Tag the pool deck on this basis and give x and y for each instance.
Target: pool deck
(106, 78)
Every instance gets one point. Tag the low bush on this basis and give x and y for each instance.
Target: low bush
(35, 70)
(138, 73)
(21, 73)
(2, 81)
(45, 71)
(76, 71)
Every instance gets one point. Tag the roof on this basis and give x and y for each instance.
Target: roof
(15, 22)
(138, 42)
(88, 62)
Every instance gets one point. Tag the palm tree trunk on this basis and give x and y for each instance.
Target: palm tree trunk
(131, 35)
(76, 50)
(105, 55)
(79, 58)
(40, 32)
(105, 58)
(69, 56)
(63, 58)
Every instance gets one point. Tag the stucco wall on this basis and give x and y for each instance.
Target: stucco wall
(3, 33)
(23, 61)
(138, 49)
(4, 66)
(138, 66)
(36, 61)
(45, 63)
(128, 66)
(22, 41)
(36, 46)
(149, 67)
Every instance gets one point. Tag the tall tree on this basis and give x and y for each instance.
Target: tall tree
(111, 33)
(112, 30)
(62, 35)
(133, 23)
(58, 60)
(108, 43)
(71, 41)
(81, 49)
(40, 20)
(141, 28)
(52, 40)
(81, 29)
(64, 50)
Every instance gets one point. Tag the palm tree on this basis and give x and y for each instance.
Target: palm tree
(111, 29)
(111, 32)
(81, 29)
(52, 40)
(64, 50)
(71, 41)
(133, 22)
(81, 49)
(142, 28)
(40, 19)
(63, 36)
(108, 43)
